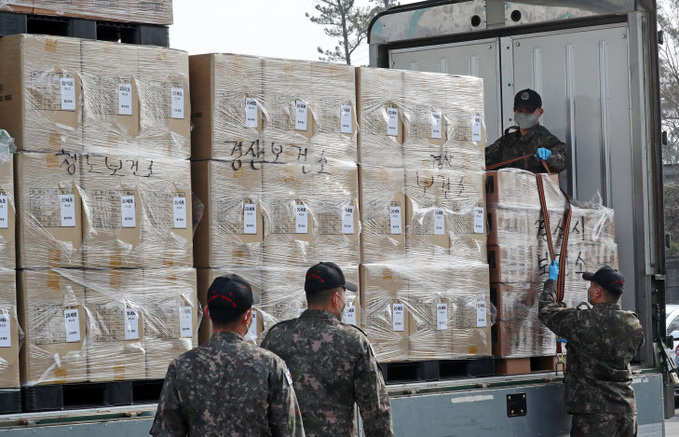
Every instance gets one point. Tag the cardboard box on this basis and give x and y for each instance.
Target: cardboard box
(383, 214)
(382, 110)
(231, 231)
(172, 316)
(386, 311)
(54, 319)
(7, 212)
(514, 187)
(517, 339)
(139, 11)
(9, 335)
(515, 301)
(167, 229)
(111, 98)
(164, 102)
(112, 212)
(41, 105)
(18, 6)
(114, 300)
(49, 210)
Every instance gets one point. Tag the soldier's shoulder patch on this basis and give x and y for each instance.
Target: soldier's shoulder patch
(288, 376)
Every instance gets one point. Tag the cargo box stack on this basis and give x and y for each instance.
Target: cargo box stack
(136, 11)
(274, 162)
(519, 256)
(424, 271)
(104, 209)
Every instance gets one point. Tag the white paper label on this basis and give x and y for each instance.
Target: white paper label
(67, 210)
(395, 219)
(476, 128)
(479, 220)
(441, 316)
(186, 322)
(252, 331)
(4, 212)
(439, 222)
(399, 317)
(348, 220)
(68, 94)
(128, 212)
(131, 324)
(301, 220)
(124, 99)
(179, 209)
(5, 329)
(178, 103)
(251, 112)
(72, 324)
(250, 218)
(350, 315)
(481, 314)
(392, 123)
(346, 119)
(436, 125)
(301, 113)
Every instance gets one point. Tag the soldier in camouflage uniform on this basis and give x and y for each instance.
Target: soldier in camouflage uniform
(228, 387)
(601, 343)
(528, 138)
(332, 363)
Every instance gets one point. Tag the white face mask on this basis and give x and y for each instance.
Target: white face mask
(341, 312)
(525, 120)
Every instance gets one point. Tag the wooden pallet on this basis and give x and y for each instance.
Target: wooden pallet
(437, 370)
(518, 366)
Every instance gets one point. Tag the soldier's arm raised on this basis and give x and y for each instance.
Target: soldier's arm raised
(285, 417)
(170, 419)
(561, 321)
(371, 395)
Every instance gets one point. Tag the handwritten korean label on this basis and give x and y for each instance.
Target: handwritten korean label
(186, 322)
(301, 113)
(346, 119)
(441, 316)
(128, 212)
(251, 112)
(348, 220)
(398, 317)
(124, 98)
(67, 204)
(131, 324)
(68, 94)
(250, 218)
(178, 102)
(72, 325)
(436, 125)
(179, 212)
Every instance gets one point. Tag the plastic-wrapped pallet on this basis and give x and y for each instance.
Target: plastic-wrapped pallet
(19, 6)
(7, 203)
(11, 335)
(138, 11)
(53, 316)
(519, 256)
(171, 317)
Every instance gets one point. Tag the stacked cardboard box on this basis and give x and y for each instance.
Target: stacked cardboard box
(274, 150)
(103, 191)
(424, 273)
(138, 11)
(519, 256)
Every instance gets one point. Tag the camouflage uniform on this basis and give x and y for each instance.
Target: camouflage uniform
(227, 387)
(333, 366)
(512, 145)
(601, 343)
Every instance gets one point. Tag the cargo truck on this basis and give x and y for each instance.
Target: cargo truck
(596, 66)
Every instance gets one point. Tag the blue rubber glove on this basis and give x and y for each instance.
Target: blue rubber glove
(554, 270)
(543, 154)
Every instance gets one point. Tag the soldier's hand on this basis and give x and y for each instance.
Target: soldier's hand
(543, 153)
(554, 270)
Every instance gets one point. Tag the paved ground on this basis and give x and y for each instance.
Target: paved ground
(672, 425)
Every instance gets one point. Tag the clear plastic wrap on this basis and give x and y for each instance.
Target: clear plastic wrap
(105, 325)
(137, 11)
(11, 334)
(21, 6)
(67, 94)
(255, 111)
(107, 211)
(519, 257)
(420, 120)
(7, 204)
